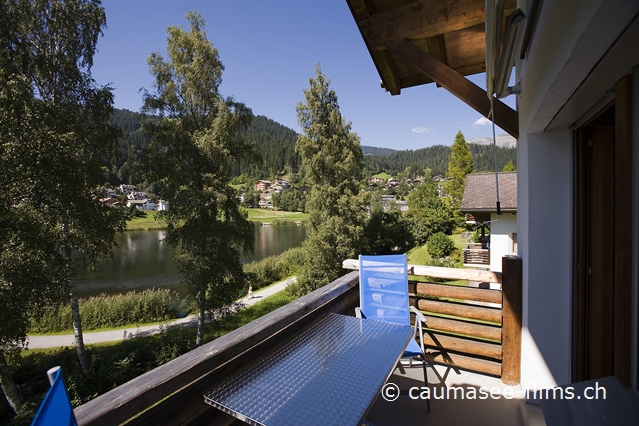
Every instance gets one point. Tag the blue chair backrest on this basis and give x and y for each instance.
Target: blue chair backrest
(56, 409)
(383, 288)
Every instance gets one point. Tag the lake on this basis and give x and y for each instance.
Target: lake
(143, 261)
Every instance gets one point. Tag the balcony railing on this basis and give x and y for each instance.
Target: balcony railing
(172, 393)
(475, 255)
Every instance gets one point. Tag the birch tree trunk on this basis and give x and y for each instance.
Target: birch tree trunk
(9, 387)
(75, 308)
(200, 319)
(77, 331)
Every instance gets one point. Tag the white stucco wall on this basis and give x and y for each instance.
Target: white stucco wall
(545, 246)
(570, 38)
(501, 243)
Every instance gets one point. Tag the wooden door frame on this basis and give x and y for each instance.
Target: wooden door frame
(622, 216)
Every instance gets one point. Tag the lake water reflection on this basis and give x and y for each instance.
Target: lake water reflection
(143, 261)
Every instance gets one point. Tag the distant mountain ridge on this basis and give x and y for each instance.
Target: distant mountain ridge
(504, 141)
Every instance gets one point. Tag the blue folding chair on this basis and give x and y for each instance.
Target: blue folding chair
(56, 408)
(383, 295)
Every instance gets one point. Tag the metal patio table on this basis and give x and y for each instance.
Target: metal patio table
(328, 374)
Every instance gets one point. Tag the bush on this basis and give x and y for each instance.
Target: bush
(274, 268)
(476, 235)
(440, 245)
(442, 263)
(116, 310)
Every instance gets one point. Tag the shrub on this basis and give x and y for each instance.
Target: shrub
(116, 310)
(274, 268)
(440, 245)
(440, 262)
(476, 235)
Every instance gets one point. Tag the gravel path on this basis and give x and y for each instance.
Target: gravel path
(40, 342)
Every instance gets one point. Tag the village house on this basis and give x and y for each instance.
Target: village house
(144, 204)
(389, 202)
(479, 204)
(375, 181)
(136, 195)
(110, 201)
(262, 185)
(126, 189)
(279, 186)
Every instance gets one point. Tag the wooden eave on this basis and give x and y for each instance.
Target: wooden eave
(425, 41)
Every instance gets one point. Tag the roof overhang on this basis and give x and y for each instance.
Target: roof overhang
(425, 41)
(491, 210)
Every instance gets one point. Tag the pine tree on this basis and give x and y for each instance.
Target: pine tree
(332, 157)
(460, 164)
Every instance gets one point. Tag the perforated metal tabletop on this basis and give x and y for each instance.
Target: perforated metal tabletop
(329, 374)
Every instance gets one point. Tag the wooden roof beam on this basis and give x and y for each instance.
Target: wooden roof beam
(458, 85)
(422, 18)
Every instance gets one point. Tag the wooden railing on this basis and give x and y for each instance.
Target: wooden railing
(473, 254)
(477, 329)
(172, 393)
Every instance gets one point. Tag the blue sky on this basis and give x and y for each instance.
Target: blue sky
(269, 50)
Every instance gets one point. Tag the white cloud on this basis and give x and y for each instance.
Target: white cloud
(422, 129)
(481, 122)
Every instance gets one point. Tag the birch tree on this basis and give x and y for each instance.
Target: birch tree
(54, 132)
(191, 155)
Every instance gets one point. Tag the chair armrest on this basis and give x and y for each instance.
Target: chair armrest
(417, 313)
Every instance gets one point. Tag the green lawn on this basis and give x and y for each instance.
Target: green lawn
(418, 255)
(383, 175)
(257, 215)
(146, 223)
(270, 215)
(460, 242)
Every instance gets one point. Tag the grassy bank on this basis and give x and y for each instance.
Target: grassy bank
(147, 223)
(150, 222)
(274, 268)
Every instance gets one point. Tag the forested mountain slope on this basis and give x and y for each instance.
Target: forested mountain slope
(276, 145)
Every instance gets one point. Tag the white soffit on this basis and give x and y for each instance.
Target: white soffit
(617, 62)
(608, 23)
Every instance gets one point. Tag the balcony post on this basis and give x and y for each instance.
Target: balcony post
(511, 320)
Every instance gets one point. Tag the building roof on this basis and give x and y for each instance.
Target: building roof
(415, 42)
(480, 194)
